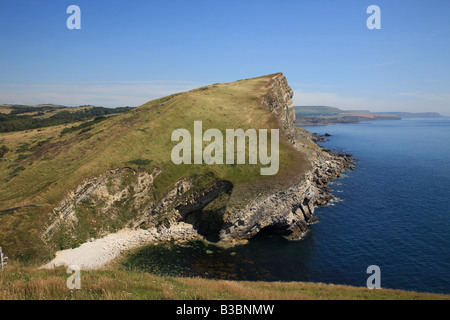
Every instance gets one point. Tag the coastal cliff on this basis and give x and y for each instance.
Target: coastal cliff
(289, 212)
(104, 177)
(124, 197)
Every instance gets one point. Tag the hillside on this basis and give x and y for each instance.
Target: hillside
(63, 185)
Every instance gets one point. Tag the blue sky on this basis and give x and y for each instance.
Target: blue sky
(129, 52)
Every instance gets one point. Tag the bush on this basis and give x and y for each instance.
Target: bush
(140, 162)
(3, 150)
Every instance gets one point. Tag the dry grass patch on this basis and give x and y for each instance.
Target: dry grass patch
(19, 283)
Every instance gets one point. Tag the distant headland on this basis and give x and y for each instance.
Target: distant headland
(324, 115)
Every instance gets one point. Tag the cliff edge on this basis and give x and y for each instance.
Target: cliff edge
(289, 211)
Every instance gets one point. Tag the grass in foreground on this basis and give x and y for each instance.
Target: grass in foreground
(22, 283)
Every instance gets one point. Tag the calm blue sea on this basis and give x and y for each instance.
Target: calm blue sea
(392, 211)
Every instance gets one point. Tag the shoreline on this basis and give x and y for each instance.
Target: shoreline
(98, 253)
(287, 207)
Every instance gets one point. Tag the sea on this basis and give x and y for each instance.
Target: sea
(392, 212)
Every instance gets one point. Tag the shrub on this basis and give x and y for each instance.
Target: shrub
(3, 150)
(140, 162)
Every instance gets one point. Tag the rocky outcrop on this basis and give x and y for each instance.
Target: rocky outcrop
(186, 202)
(124, 198)
(289, 212)
(113, 196)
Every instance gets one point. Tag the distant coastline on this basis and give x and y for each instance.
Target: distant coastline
(323, 115)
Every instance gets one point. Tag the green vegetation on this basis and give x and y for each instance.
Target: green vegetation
(15, 172)
(85, 126)
(3, 150)
(30, 117)
(140, 162)
(29, 283)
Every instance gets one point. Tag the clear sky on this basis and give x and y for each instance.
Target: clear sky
(129, 52)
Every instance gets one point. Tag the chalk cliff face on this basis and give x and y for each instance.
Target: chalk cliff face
(125, 197)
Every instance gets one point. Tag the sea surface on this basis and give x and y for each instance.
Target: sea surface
(392, 211)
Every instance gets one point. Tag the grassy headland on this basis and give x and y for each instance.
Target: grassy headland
(42, 165)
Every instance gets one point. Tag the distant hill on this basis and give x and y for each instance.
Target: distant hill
(323, 115)
(405, 115)
(320, 115)
(317, 111)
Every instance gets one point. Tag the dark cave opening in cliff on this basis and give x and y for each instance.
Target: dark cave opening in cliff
(271, 230)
